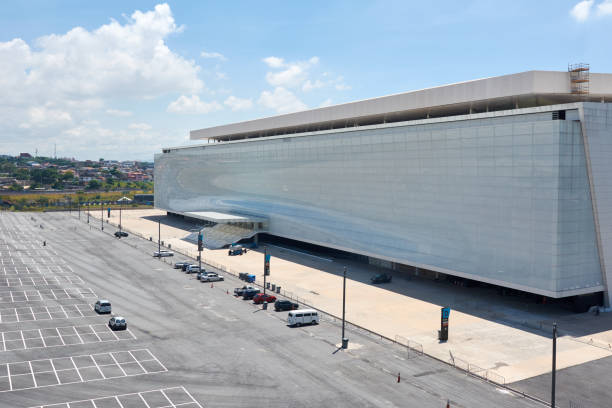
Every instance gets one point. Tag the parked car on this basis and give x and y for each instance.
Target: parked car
(381, 278)
(185, 266)
(280, 305)
(120, 234)
(304, 316)
(179, 265)
(102, 306)
(193, 269)
(260, 298)
(163, 253)
(240, 291)
(117, 323)
(246, 277)
(201, 274)
(211, 277)
(236, 250)
(249, 294)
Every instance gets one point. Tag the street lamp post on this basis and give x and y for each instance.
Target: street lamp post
(266, 267)
(88, 213)
(200, 247)
(554, 366)
(120, 208)
(159, 238)
(102, 216)
(344, 339)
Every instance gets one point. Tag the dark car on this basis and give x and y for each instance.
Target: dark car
(249, 294)
(120, 234)
(185, 266)
(236, 250)
(260, 298)
(381, 278)
(285, 305)
(179, 265)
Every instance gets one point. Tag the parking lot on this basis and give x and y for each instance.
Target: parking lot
(188, 344)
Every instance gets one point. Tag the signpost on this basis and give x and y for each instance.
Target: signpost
(443, 333)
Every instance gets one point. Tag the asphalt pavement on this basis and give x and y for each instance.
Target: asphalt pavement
(188, 344)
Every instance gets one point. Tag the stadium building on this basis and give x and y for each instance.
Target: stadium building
(504, 180)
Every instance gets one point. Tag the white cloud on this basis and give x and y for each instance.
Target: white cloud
(140, 126)
(193, 105)
(281, 100)
(119, 113)
(72, 76)
(310, 85)
(214, 55)
(582, 10)
(237, 104)
(220, 75)
(274, 62)
(604, 8)
(293, 75)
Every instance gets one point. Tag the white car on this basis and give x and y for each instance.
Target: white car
(162, 253)
(211, 277)
(102, 306)
(117, 323)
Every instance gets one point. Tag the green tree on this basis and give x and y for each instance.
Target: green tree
(94, 185)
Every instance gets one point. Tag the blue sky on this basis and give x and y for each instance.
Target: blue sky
(120, 80)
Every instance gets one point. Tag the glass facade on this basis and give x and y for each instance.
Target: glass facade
(503, 198)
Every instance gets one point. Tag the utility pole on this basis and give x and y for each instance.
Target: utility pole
(88, 213)
(554, 366)
(200, 247)
(159, 238)
(102, 215)
(266, 267)
(344, 339)
(120, 208)
(79, 207)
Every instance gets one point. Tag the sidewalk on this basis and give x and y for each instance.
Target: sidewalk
(487, 332)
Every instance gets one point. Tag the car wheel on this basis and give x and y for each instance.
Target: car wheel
(314, 322)
(298, 324)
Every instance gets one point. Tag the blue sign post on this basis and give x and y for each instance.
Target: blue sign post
(443, 333)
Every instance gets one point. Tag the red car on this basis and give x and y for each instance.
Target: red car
(260, 298)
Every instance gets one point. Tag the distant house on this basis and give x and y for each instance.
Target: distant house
(25, 156)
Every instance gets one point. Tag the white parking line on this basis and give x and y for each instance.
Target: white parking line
(78, 373)
(39, 295)
(27, 313)
(176, 397)
(58, 336)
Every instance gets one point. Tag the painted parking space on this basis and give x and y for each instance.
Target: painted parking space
(174, 397)
(40, 281)
(34, 295)
(31, 313)
(32, 374)
(61, 336)
(35, 270)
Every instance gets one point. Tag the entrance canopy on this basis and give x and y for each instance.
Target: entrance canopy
(223, 218)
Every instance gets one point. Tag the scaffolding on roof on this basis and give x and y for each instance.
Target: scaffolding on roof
(579, 78)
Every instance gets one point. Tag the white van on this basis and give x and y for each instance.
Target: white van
(304, 316)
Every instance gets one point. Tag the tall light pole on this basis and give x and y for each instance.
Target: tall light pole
(88, 213)
(266, 266)
(554, 366)
(344, 339)
(120, 208)
(101, 215)
(159, 238)
(200, 247)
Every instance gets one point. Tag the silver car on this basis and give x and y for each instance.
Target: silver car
(211, 277)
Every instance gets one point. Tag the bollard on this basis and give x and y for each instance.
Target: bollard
(278, 289)
(265, 306)
(398, 377)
